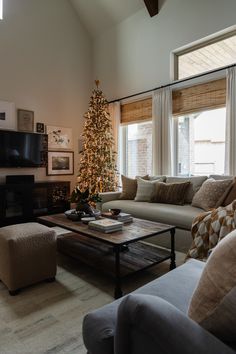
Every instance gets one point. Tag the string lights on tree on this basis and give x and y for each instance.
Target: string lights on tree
(98, 170)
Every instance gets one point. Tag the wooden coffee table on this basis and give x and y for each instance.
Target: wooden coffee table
(119, 253)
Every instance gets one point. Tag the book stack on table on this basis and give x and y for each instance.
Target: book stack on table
(123, 217)
(106, 225)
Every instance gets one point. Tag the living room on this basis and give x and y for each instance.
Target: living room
(159, 63)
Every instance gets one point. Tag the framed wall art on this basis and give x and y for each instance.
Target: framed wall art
(7, 115)
(25, 120)
(59, 138)
(60, 163)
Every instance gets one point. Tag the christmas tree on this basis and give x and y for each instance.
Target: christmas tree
(98, 170)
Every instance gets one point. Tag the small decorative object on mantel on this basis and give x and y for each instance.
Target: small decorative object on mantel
(25, 120)
(39, 127)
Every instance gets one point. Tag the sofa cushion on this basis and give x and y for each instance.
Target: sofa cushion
(176, 287)
(145, 189)
(153, 178)
(196, 182)
(129, 187)
(170, 193)
(210, 193)
(213, 304)
(220, 177)
(179, 215)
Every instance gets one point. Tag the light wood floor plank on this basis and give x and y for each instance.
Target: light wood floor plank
(47, 318)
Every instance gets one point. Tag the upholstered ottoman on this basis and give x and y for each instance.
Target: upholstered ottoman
(27, 255)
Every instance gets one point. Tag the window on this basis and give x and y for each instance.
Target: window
(200, 118)
(139, 149)
(201, 143)
(207, 56)
(136, 138)
(1, 10)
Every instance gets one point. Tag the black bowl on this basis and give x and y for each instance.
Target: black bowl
(115, 211)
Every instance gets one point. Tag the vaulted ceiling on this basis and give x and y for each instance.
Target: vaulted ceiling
(99, 15)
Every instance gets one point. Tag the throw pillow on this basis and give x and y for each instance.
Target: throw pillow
(230, 196)
(210, 192)
(196, 182)
(170, 193)
(129, 187)
(145, 189)
(213, 304)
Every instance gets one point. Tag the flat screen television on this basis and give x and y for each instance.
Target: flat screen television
(20, 149)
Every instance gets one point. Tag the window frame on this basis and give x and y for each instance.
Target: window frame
(141, 107)
(176, 144)
(123, 146)
(191, 48)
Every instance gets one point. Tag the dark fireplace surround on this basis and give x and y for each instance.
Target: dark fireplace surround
(22, 199)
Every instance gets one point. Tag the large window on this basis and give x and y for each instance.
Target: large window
(136, 138)
(139, 149)
(207, 56)
(201, 143)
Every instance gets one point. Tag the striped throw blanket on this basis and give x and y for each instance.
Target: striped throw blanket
(209, 228)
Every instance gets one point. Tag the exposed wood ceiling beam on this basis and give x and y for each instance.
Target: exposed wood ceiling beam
(152, 7)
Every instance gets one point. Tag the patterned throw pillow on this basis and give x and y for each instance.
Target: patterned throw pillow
(145, 189)
(129, 187)
(213, 304)
(170, 193)
(210, 193)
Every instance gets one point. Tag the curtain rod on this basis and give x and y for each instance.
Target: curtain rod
(175, 83)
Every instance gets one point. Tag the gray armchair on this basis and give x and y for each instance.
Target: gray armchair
(148, 324)
(153, 320)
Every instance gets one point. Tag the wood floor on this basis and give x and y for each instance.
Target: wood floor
(47, 317)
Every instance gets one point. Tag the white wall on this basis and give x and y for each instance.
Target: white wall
(45, 66)
(135, 55)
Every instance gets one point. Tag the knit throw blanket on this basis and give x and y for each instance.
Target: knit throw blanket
(209, 228)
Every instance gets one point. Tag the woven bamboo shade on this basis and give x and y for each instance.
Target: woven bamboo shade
(199, 97)
(136, 111)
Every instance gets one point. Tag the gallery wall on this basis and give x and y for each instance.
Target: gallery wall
(135, 55)
(45, 67)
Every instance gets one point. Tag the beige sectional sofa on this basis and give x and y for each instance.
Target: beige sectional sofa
(179, 215)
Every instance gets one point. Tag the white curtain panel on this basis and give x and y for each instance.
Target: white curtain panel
(114, 110)
(162, 146)
(230, 147)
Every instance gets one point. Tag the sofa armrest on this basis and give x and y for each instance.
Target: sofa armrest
(150, 324)
(109, 196)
